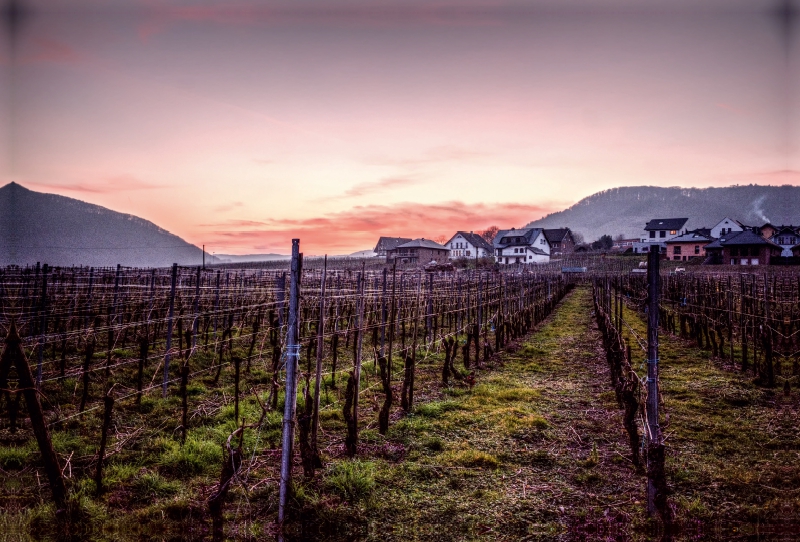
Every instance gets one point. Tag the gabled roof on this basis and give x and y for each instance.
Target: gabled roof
(690, 237)
(536, 250)
(556, 235)
(785, 230)
(422, 243)
(389, 243)
(739, 238)
(665, 224)
(526, 236)
(474, 239)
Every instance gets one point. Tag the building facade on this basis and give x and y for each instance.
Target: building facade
(523, 246)
(469, 245)
(418, 252)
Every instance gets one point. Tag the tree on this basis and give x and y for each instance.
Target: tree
(489, 233)
(620, 237)
(604, 243)
(577, 238)
(440, 239)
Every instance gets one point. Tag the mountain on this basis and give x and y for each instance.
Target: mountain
(61, 231)
(627, 209)
(242, 258)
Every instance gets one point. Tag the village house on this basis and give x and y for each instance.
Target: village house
(418, 252)
(657, 232)
(385, 244)
(527, 245)
(726, 225)
(469, 245)
(689, 245)
(786, 237)
(743, 248)
(561, 241)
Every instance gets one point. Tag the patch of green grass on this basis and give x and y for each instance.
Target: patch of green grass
(470, 458)
(435, 409)
(353, 480)
(192, 458)
(151, 485)
(15, 457)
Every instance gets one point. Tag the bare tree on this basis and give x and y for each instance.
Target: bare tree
(489, 233)
(578, 238)
(441, 239)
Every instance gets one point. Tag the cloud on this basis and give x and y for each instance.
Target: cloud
(160, 18)
(228, 206)
(45, 50)
(435, 155)
(359, 227)
(373, 187)
(108, 185)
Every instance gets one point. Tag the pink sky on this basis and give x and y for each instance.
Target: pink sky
(240, 125)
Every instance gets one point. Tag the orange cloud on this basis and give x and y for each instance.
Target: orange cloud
(359, 228)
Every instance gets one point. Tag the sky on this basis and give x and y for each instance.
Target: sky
(241, 125)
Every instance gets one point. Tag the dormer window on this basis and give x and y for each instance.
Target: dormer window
(672, 232)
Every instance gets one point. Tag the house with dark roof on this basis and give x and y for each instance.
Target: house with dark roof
(561, 241)
(469, 245)
(742, 248)
(523, 246)
(689, 245)
(418, 252)
(657, 232)
(385, 244)
(786, 237)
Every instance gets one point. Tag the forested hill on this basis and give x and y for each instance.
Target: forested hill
(627, 209)
(46, 228)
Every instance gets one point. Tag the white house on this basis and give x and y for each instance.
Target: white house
(469, 245)
(726, 225)
(527, 245)
(658, 231)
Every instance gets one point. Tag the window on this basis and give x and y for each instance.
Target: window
(753, 251)
(697, 249)
(672, 232)
(676, 249)
(734, 251)
(652, 235)
(754, 261)
(662, 233)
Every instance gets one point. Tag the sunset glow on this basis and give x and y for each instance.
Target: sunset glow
(242, 125)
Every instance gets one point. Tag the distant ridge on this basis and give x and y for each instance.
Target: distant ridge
(245, 258)
(625, 210)
(61, 231)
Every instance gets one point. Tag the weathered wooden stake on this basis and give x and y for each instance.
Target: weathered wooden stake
(170, 316)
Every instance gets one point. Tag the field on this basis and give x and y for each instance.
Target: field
(522, 437)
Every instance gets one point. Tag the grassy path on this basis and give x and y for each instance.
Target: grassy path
(535, 449)
(733, 447)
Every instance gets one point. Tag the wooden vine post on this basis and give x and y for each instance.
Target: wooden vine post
(320, 353)
(13, 355)
(656, 477)
(170, 318)
(292, 360)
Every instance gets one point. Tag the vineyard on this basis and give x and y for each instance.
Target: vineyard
(155, 400)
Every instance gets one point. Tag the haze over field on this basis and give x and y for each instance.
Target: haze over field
(242, 125)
